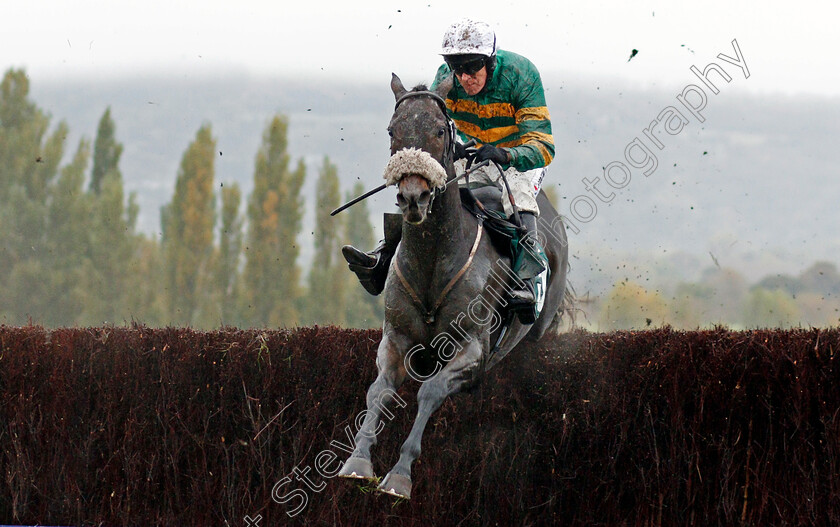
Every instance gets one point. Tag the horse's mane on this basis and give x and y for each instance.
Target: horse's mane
(420, 87)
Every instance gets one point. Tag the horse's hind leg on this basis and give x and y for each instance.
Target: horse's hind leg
(454, 377)
(381, 394)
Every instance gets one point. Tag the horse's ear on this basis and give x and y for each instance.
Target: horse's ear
(397, 86)
(445, 85)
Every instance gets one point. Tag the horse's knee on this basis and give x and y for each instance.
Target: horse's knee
(383, 399)
(449, 382)
(431, 392)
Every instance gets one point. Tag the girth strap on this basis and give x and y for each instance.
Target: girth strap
(429, 314)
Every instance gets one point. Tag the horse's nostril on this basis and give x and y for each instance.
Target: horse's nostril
(401, 201)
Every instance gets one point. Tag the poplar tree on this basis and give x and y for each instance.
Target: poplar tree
(275, 210)
(26, 161)
(363, 309)
(106, 152)
(145, 299)
(29, 161)
(66, 261)
(115, 243)
(187, 223)
(230, 252)
(327, 289)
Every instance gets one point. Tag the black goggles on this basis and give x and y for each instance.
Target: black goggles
(468, 67)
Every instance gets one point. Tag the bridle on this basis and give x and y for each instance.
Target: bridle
(449, 152)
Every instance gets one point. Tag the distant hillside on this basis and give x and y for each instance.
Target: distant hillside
(752, 184)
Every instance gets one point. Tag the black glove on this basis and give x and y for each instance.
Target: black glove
(492, 153)
(460, 151)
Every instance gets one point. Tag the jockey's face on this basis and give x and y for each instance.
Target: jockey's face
(473, 83)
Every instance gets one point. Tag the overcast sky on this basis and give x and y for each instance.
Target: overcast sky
(789, 47)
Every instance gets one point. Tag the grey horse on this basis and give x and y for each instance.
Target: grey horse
(446, 289)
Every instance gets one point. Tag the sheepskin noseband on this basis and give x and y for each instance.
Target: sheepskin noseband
(410, 161)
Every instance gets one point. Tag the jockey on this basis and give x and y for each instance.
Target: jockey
(499, 102)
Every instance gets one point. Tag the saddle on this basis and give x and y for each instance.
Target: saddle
(485, 203)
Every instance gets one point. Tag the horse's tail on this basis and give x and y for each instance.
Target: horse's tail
(569, 309)
(567, 312)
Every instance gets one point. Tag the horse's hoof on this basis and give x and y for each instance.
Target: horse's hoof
(357, 468)
(396, 485)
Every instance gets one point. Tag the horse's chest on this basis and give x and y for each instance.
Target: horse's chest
(455, 323)
(414, 329)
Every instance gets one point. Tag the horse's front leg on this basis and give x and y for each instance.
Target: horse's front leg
(381, 394)
(457, 375)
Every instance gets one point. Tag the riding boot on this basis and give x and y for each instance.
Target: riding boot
(372, 267)
(529, 264)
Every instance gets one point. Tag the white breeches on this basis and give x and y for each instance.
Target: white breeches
(523, 185)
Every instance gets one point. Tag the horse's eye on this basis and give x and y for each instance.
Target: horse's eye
(390, 132)
(441, 132)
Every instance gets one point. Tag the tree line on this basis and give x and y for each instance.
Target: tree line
(73, 255)
(724, 297)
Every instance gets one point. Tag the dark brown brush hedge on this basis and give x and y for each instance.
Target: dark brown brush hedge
(141, 426)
